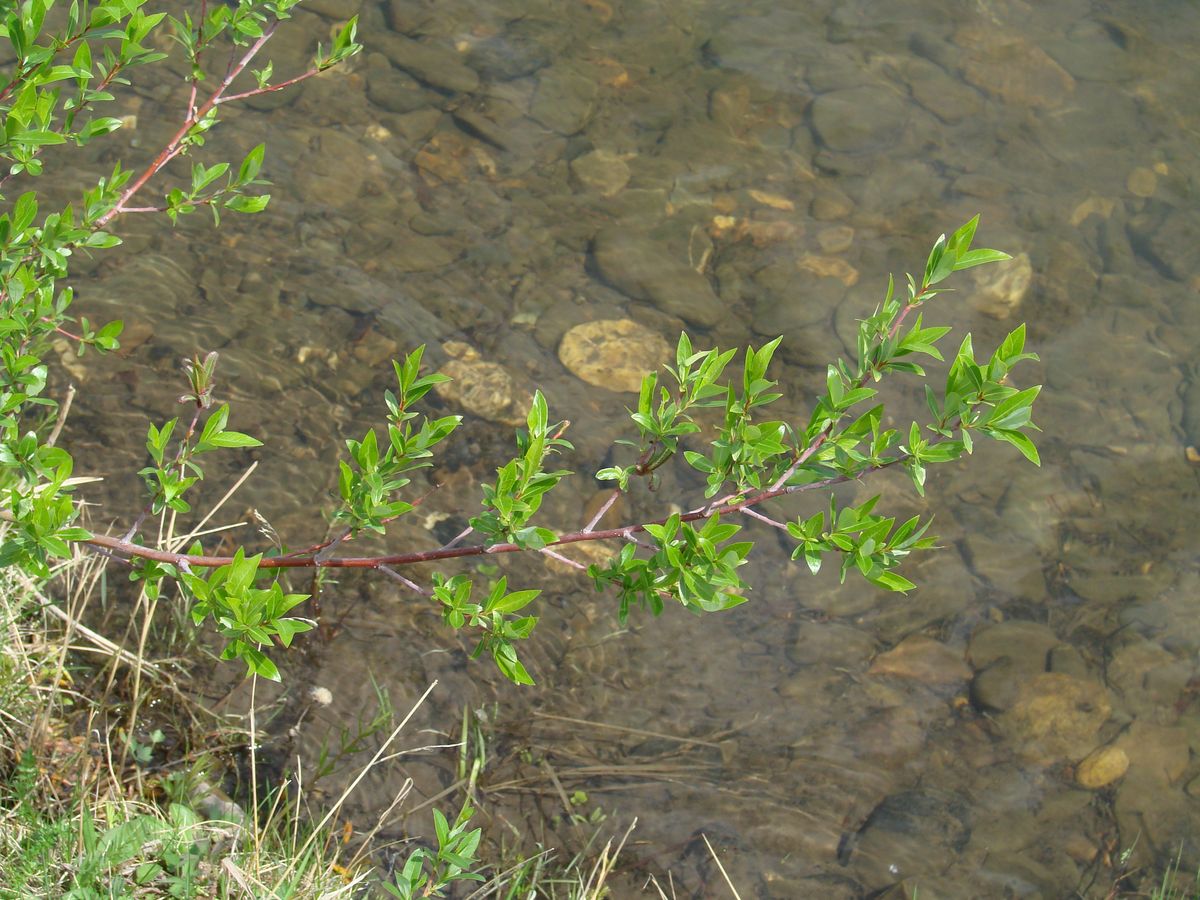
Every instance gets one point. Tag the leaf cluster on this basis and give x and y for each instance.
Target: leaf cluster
(369, 481)
(695, 566)
(512, 501)
(428, 873)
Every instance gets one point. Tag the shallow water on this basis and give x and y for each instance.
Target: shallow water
(532, 166)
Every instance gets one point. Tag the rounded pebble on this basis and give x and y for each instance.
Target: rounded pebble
(613, 353)
(1101, 768)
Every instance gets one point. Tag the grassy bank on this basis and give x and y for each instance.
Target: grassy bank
(101, 799)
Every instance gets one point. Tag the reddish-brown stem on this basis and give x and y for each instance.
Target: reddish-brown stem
(270, 88)
(62, 331)
(128, 549)
(823, 436)
(175, 146)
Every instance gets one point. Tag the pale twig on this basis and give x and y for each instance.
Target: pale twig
(178, 143)
(562, 559)
(755, 514)
(196, 532)
(717, 860)
(125, 548)
(401, 796)
(593, 889)
(62, 416)
(336, 807)
(641, 732)
(458, 538)
(562, 794)
(407, 582)
(99, 640)
(612, 498)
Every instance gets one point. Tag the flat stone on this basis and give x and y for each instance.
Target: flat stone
(789, 299)
(1158, 754)
(644, 266)
(1101, 768)
(996, 688)
(525, 46)
(829, 267)
(613, 353)
(564, 100)
(1026, 644)
(435, 64)
(391, 89)
(601, 171)
(1056, 717)
(484, 388)
(1000, 287)
(333, 174)
(922, 659)
(1012, 69)
(830, 204)
(831, 644)
(836, 239)
(1142, 182)
(860, 119)
(417, 253)
(1097, 51)
(1175, 244)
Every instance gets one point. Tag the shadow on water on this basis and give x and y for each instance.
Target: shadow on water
(488, 175)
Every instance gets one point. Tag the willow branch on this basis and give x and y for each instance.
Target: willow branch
(126, 548)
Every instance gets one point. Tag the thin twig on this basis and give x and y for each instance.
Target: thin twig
(641, 732)
(562, 559)
(195, 532)
(717, 860)
(333, 810)
(62, 416)
(73, 624)
(458, 538)
(612, 498)
(407, 582)
(755, 514)
(125, 547)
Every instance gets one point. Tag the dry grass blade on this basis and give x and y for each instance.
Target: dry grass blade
(74, 625)
(182, 541)
(724, 874)
(641, 732)
(333, 810)
(593, 888)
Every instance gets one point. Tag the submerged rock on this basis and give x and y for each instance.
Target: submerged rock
(434, 64)
(922, 659)
(1027, 644)
(484, 388)
(604, 172)
(643, 266)
(1012, 69)
(1000, 289)
(613, 353)
(1056, 717)
(1101, 768)
(565, 99)
(859, 120)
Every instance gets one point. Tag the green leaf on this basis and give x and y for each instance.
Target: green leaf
(979, 258)
(1021, 442)
(251, 165)
(244, 204)
(234, 439)
(513, 602)
(892, 582)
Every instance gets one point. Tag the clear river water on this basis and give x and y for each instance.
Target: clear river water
(488, 175)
